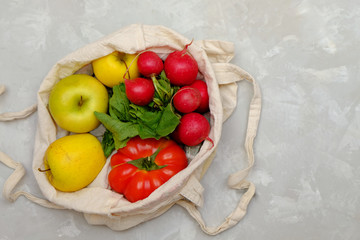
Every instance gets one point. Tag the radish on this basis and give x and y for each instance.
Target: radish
(204, 103)
(181, 68)
(139, 91)
(175, 135)
(193, 129)
(149, 63)
(187, 99)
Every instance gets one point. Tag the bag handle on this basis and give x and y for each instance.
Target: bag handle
(9, 116)
(14, 179)
(19, 170)
(227, 73)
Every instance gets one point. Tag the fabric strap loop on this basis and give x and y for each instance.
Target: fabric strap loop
(10, 116)
(19, 170)
(10, 184)
(228, 73)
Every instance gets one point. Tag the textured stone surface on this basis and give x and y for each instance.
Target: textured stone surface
(305, 56)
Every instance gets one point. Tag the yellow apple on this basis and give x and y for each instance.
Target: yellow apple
(74, 99)
(111, 69)
(73, 162)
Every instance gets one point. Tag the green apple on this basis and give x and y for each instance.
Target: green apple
(74, 99)
(111, 69)
(73, 162)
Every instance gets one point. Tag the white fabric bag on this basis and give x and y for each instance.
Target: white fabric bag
(102, 206)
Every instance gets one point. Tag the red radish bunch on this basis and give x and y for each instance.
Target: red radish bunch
(194, 127)
(181, 68)
(204, 95)
(192, 130)
(149, 63)
(191, 100)
(187, 99)
(139, 91)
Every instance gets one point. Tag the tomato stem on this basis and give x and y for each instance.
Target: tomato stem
(147, 163)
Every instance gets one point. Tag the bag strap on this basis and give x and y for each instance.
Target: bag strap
(14, 179)
(232, 219)
(9, 116)
(227, 73)
(19, 170)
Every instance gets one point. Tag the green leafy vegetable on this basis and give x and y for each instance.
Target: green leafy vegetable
(119, 104)
(107, 143)
(163, 91)
(126, 120)
(121, 131)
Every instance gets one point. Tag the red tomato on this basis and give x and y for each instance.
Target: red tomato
(143, 165)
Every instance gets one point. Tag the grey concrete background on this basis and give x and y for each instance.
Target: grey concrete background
(305, 56)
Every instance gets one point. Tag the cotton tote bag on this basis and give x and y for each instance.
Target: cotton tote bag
(99, 204)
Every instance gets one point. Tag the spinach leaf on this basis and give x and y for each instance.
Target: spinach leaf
(157, 123)
(107, 143)
(126, 120)
(121, 131)
(168, 121)
(119, 104)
